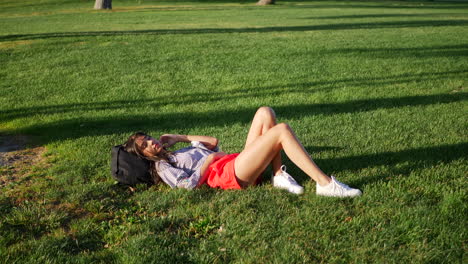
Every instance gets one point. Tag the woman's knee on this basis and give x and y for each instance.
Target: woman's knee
(283, 127)
(283, 130)
(267, 112)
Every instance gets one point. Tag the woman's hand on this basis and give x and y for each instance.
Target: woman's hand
(168, 140)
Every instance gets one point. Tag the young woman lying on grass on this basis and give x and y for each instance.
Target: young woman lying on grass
(203, 164)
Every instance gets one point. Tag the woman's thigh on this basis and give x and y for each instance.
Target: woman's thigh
(257, 155)
(263, 120)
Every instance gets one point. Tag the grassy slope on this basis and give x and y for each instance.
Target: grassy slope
(375, 90)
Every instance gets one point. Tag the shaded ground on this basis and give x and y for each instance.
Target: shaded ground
(16, 156)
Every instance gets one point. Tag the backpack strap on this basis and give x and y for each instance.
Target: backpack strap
(118, 154)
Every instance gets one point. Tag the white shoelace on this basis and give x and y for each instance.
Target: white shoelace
(339, 186)
(288, 177)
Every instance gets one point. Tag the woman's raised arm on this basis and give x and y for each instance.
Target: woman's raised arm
(169, 140)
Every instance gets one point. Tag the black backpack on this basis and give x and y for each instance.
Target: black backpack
(128, 168)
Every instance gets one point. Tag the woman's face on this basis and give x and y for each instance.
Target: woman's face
(149, 146)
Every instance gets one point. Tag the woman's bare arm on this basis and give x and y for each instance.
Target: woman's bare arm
(169, 140)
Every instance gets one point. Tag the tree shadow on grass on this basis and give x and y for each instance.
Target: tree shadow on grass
(345, 4)
(384, 15)
(198, 97)
(159, 101)
(455, 51)
(384, 5)
(83, 127)
(340, 26)
(417, 159)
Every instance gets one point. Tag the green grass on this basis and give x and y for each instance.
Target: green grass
(376, 91)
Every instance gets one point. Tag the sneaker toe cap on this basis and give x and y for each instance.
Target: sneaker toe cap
(353, 193)
(297, 190)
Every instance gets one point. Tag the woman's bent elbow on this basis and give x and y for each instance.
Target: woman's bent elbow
(214, 144)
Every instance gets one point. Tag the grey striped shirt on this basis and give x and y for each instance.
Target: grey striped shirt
(187, 165)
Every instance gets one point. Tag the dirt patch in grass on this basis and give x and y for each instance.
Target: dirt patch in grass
(17, 157)
(13, 44)
(458, 89)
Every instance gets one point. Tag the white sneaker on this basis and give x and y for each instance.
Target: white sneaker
(337, 189)
(287, 182)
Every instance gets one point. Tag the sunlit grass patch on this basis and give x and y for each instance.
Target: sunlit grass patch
(376, 91)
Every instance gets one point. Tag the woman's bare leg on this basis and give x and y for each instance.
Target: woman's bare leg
(264, 119)
(260, 152)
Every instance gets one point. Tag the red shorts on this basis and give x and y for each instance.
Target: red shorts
(221, 173)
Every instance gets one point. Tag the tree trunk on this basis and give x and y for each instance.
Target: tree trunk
(266, 2)
(103, 4)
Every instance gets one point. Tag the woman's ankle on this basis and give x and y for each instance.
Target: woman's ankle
(323, 180)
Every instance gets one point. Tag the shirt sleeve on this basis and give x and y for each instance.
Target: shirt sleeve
(198, 144)
(176, 178)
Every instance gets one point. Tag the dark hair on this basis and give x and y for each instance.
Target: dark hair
(131, 146)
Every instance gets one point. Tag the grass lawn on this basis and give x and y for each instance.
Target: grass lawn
(376, 91)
